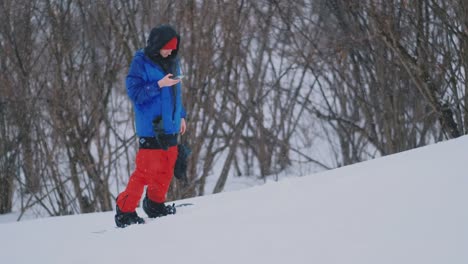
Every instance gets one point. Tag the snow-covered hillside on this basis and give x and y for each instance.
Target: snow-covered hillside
(405, 208)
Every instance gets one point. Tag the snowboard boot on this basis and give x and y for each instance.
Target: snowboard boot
(125, 219)
(154, 209)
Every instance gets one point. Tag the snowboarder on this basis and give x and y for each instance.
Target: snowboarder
(159, 119)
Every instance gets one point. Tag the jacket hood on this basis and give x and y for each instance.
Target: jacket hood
(158, 37)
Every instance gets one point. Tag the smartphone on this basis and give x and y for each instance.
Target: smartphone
(178, 77)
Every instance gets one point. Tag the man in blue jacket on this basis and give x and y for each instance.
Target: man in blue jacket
(159, 119)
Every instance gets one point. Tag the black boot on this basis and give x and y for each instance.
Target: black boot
(125, 219)
(154, 209)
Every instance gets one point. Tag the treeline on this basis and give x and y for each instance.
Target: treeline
(265, 80)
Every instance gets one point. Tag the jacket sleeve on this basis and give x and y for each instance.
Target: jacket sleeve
(183, 114)
(139, 90)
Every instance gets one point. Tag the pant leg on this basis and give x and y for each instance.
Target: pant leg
(128, 200)
(159, 183)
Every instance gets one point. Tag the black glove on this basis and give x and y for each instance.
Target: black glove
(163, 141)
(159, 132)
(180, 168)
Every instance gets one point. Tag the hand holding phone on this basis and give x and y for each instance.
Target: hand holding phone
(168, 81)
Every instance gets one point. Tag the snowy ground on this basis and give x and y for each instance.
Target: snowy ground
(405, 208)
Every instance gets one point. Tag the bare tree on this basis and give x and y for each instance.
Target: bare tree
(265, 79)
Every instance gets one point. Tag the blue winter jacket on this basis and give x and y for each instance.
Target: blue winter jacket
(150, 100)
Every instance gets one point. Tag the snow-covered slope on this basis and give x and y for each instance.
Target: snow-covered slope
(409, 208)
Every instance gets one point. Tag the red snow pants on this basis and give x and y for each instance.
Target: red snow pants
(154, 168)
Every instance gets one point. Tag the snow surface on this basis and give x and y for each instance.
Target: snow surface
(409, 208)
